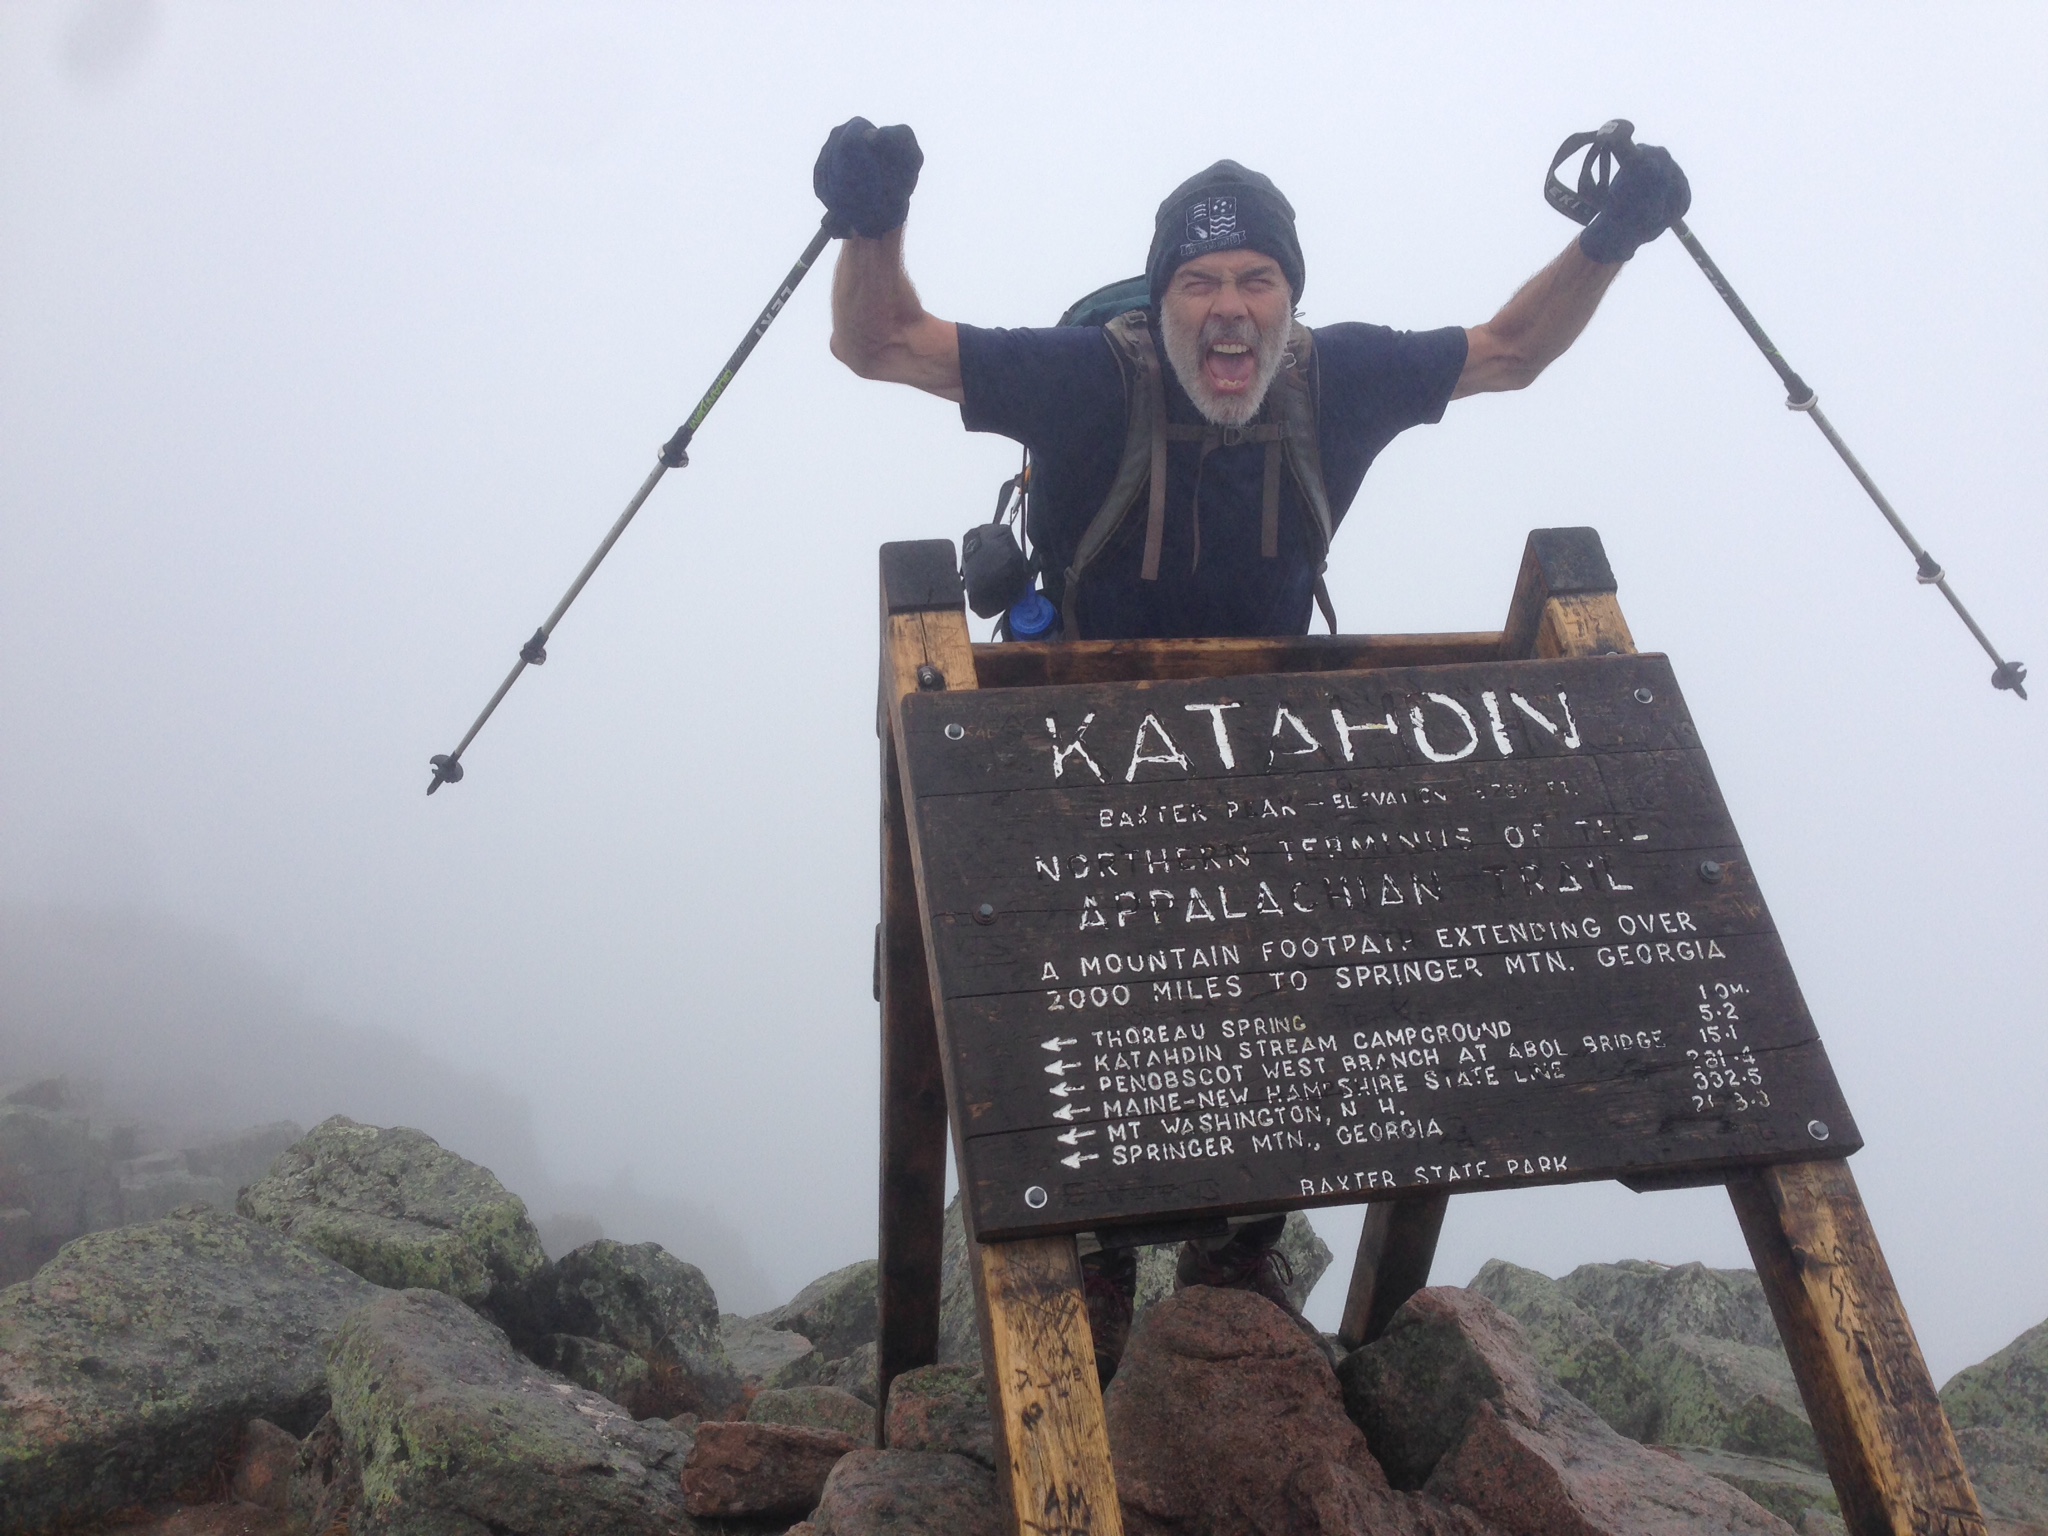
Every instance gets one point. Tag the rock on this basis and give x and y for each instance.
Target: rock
(1719, 1393)
(760, 1471)
(1573, 1346)
(1307, 1257)
(133, 1359)
(763, 1355)
(2007, 1391)
(942, 1408)
(2009, 1470)
(856, 1373)
(263, 1471)
(1225, 1417)
(1999, 1408)
(1640, 1302)
(56, 1181)
(909, 1493)
(401, 1210)
(1528, 1456)
(836, 1312)
(1787, 1489)
(1414, 1389)
(1570, 1473)
(327, 1480)
(959, 1331)
(230, 1519)
(815, 1408)
(455, 1432)
(1681, 1387)
(606, 1369)
(642, 1299)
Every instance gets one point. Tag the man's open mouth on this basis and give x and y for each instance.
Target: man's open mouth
(1230, 366)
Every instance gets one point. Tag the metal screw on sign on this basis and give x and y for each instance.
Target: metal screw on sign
(984, 914)
(1035, 1197)
(955, 732)
(1817, 1129)
(1711, 871)
(1644, 696)
(930, 679)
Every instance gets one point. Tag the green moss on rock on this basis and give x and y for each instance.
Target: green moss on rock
(136, 1354)
(455, 1432)
(402, 1211)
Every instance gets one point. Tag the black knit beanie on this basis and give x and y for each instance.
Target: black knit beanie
(1225, 208)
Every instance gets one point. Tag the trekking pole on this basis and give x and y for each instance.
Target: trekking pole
(674, 454)
(1613, 143)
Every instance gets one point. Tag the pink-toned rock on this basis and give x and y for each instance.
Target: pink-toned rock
(1413, 1390)
(263, 1474)
(1451, 1397)
(1226, 1417)
(908, 1493)
(942, 1408)
(1572, 1475)
(739, 1470)
(233, 1518)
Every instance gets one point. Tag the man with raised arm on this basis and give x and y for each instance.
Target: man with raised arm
(1193, 457)
(1192, 460)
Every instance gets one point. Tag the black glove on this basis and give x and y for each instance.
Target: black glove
(1648, 192)
(864, 177)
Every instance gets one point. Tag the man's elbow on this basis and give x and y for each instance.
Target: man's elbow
(860, 359)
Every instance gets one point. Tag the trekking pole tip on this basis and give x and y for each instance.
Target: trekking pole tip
(447, 770)
(2012, 676)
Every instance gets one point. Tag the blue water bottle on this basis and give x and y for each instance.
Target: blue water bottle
(1033, 617)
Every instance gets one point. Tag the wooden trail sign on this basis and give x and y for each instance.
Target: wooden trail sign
(1173, 930)
(1211, 947)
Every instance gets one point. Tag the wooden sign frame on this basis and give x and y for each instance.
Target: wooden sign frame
(1887, 1444)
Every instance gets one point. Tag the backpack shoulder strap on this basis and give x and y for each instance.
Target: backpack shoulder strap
(1144, 457)
(1294, 408)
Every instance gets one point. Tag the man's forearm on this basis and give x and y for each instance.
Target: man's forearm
(872, 298)
(880, 330)
(1534, 328)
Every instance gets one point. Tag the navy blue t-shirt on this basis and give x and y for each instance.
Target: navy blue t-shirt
(1060, 392)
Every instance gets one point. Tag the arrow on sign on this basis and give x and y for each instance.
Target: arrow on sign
(1075, 1160)
(1061, 1068)
(1056, 1044)
(1073, 1137)
(1063, 1089)
(1067, 1112)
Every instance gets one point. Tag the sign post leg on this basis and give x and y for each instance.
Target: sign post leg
(1052, 1438)
(1394, 1254)
(1887, 1443)
(913, 1188)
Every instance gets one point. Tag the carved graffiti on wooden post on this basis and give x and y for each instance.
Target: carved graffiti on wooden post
(1206, 948)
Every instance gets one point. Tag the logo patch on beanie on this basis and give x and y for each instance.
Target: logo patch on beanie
(1212, 226)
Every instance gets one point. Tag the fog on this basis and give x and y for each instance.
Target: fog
(332, 337)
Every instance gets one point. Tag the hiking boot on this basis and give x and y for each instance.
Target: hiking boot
(1109, 1285)
(1248, 1260)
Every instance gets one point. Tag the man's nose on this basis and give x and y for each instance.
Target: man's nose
(1230, 300)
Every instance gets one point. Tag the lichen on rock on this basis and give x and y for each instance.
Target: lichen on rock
(404, 1212)
(133, 1359)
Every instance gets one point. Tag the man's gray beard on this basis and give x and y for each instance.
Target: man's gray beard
(1184, 349)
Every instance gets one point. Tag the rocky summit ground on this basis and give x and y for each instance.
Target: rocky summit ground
(355, 1331)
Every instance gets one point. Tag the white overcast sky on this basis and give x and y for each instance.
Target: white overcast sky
(333, 336)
